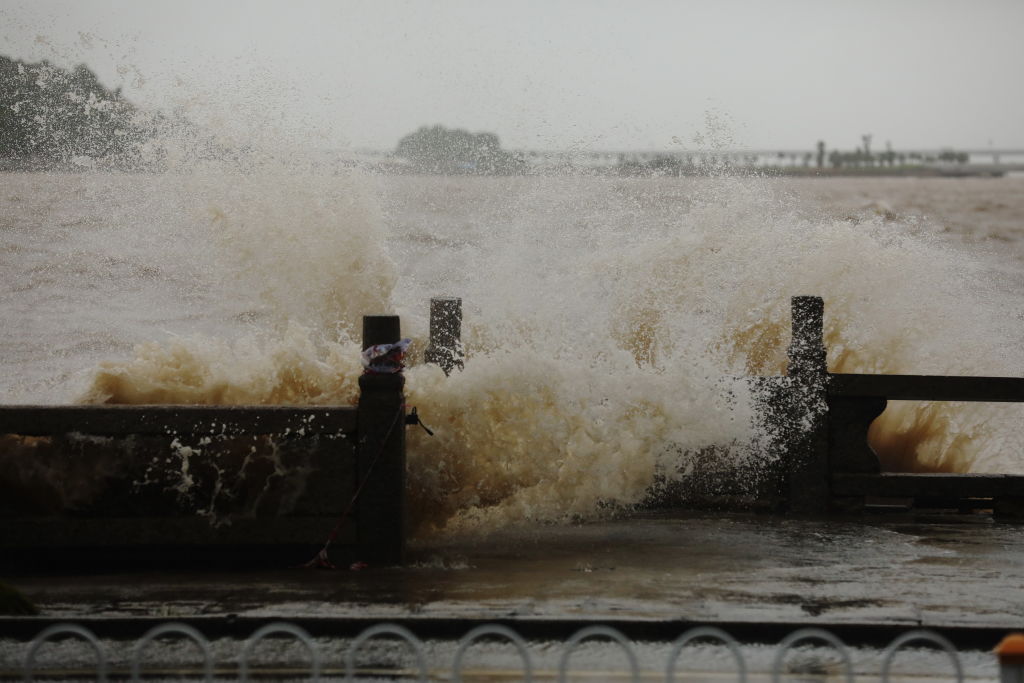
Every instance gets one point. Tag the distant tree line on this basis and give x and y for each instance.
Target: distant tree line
(436, 149)
(54, 117)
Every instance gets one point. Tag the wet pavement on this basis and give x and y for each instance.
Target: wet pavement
(961, 571)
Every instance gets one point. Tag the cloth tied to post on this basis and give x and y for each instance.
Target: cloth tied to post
(385, 359)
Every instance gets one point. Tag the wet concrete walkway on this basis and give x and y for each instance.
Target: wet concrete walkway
(955, 571)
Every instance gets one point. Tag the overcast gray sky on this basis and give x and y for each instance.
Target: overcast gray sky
(557, 73)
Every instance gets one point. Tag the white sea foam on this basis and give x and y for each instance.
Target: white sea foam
(604, 320)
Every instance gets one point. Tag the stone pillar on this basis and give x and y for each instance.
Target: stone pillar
(380, 452)
(445, 348)
(807, 345)
(807, 468)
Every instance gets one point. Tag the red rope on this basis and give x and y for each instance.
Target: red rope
(321, 560)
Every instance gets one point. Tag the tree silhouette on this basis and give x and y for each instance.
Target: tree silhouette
(436, 149)
(866, 138)
(52, 117)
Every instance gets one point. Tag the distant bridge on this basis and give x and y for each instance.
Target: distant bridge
(996, 156)
(980, 160)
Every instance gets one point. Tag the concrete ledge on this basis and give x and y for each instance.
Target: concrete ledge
(945, 486)
(928, 387)
(148, 532)
(638, 630)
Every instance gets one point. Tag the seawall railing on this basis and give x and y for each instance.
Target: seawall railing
(351, 495)
(821, 420)
(825, 418)
(332, 474)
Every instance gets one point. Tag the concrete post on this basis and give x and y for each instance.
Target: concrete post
(807, 346)
(445, 348)
(380, 452)
(807, 452)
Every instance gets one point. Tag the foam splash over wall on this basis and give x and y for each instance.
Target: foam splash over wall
(294, 369)
(604, 315)
(520, 439)
(313, 246)
(599, 341)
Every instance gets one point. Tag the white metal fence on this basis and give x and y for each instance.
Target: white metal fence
(132, 662)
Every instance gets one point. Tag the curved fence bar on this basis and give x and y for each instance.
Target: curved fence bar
(496, 630)
(173, 628)
(920, 635)
(446, 657)
(390, 630)
(706, 632)
(591, 632)
(59, 629)
(810, 634)
(279, 627)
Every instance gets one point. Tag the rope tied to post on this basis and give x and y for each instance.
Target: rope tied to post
(321, 559)
(383, 358)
